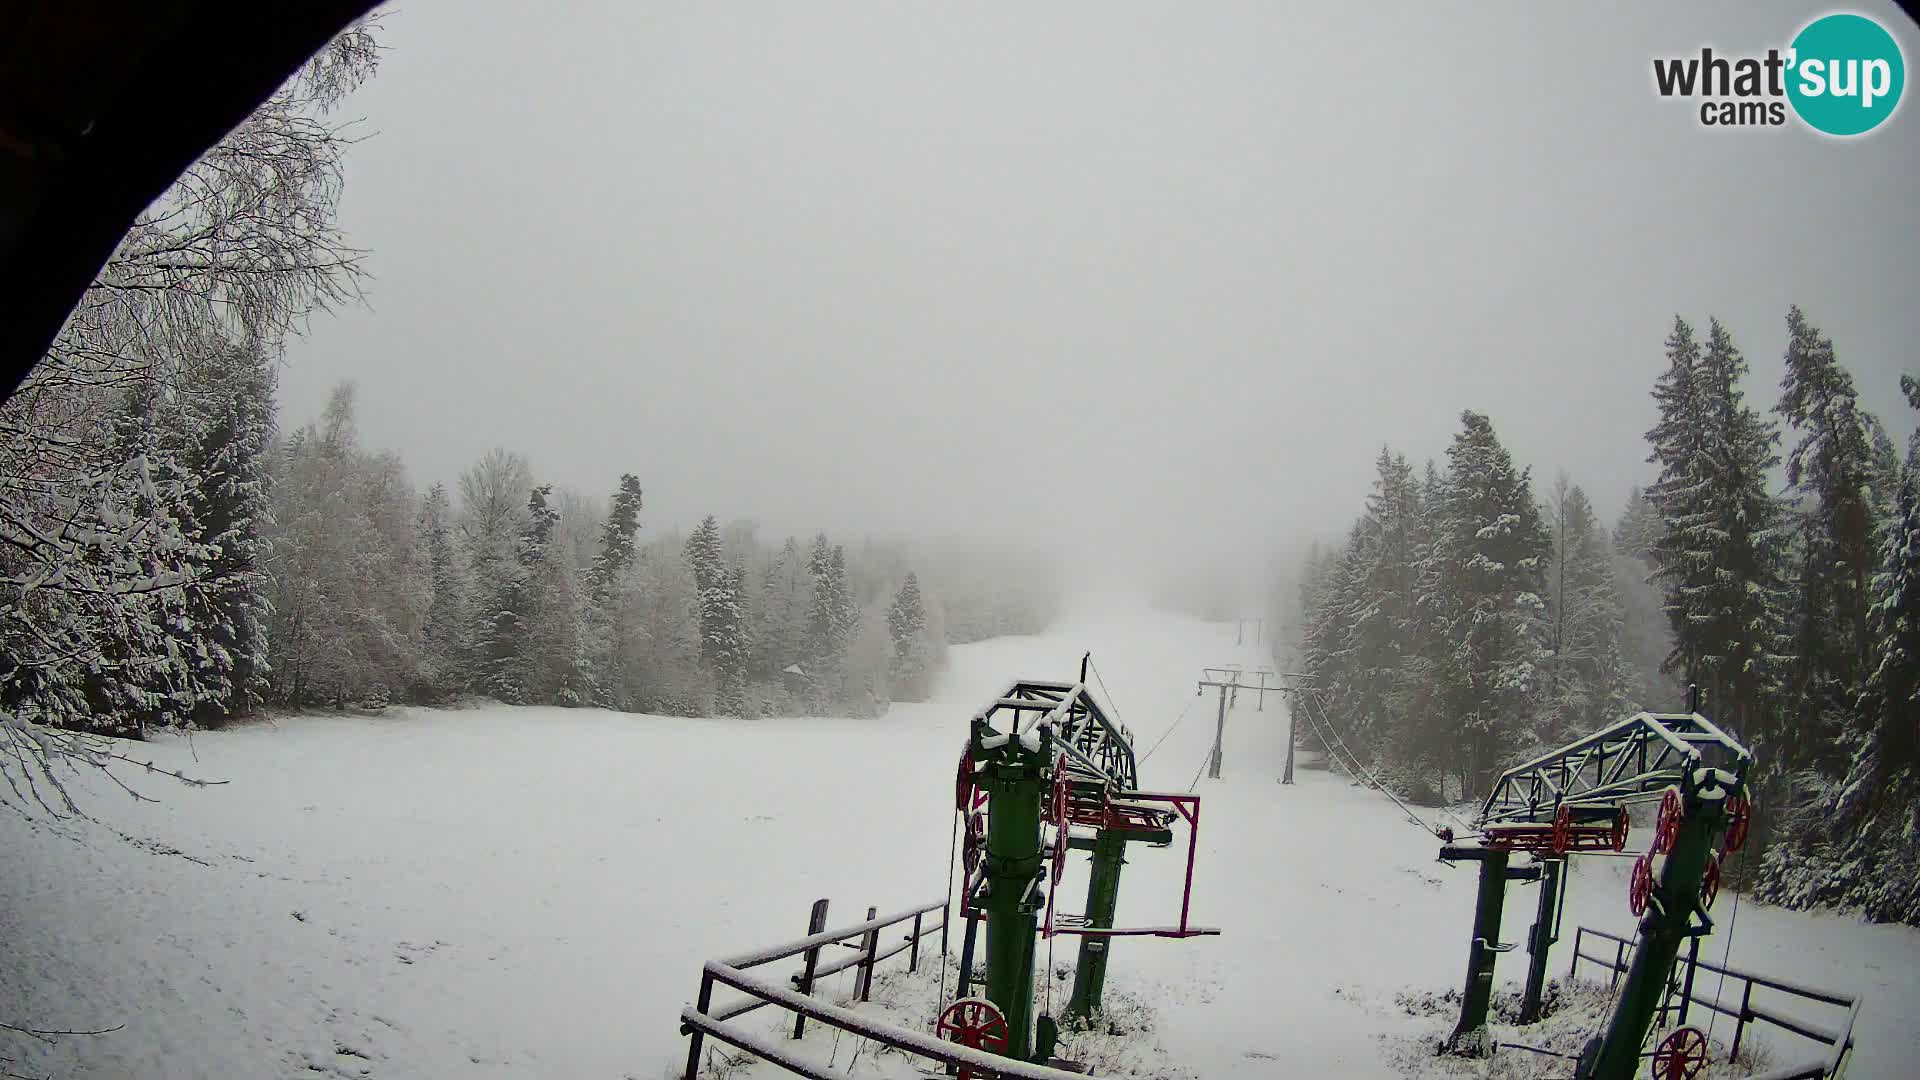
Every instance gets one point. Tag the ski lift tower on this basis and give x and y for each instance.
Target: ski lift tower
(1045, 772)
(1575, 799)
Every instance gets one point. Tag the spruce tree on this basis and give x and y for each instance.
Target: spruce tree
(1747, 600)
(1721, 553)
(1638, 531)
(1492, 548)
(1856, 844)
(443, 632)
(906, 628)
(781, 640)
(905, 616)
(1427, 743)
(845, 608)
(1833, 464)
(824, 645)
(1683, 571)
(725, 647)
(704, 558)
(616, 540)
(1381, 618)
(1587, 681)
(227, 419)
(559, 671)
(151, 672)
(599, 638)
(505, 650)
(1834, 469)
(493, 501)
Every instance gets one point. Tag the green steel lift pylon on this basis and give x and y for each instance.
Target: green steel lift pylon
(1469, 1037)
(1574, 799)
(1669, 921)
(1058, 761)
(1546, 931)
(1015, 774)
(1103, 896)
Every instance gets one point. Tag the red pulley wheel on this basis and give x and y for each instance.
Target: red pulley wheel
(976, 1023)
(1680, 1056)
(1640, 888)
(1710, 885)
(974, 848)
(1667, 828)
(1562, 830)
(1620, 830)
(963, 783)
(1739, 814)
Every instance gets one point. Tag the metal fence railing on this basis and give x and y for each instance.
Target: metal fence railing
(1838, 1040)
(702, 1020)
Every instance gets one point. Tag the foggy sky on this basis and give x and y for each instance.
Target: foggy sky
(1126, 276)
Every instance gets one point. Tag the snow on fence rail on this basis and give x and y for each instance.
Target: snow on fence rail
(701, 1019)
(1839, 1041)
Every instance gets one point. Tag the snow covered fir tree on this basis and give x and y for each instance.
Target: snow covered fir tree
(1465, 624)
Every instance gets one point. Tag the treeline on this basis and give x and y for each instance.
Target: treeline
(301, 569)
(510, 589)
(1465, 625)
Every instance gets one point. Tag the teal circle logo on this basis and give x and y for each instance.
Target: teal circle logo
(1845, 74)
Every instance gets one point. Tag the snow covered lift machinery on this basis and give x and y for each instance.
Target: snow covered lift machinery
(1575, 799)
(1045, 772)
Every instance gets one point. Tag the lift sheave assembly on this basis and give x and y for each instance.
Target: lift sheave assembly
(1045, 772)
(1575, 799)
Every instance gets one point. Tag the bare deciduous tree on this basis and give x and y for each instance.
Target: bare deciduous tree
(94, 567)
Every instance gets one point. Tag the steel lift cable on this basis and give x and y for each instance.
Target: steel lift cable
(1203, 768)
(1095, 668)
(1169, 731)
(1361, 772)
(1464, 827)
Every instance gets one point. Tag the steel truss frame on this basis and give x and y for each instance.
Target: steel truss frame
(1631, 761)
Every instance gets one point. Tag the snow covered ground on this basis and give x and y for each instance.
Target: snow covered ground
(530, 892)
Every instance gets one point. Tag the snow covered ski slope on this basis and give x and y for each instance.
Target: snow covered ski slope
(531, 892)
